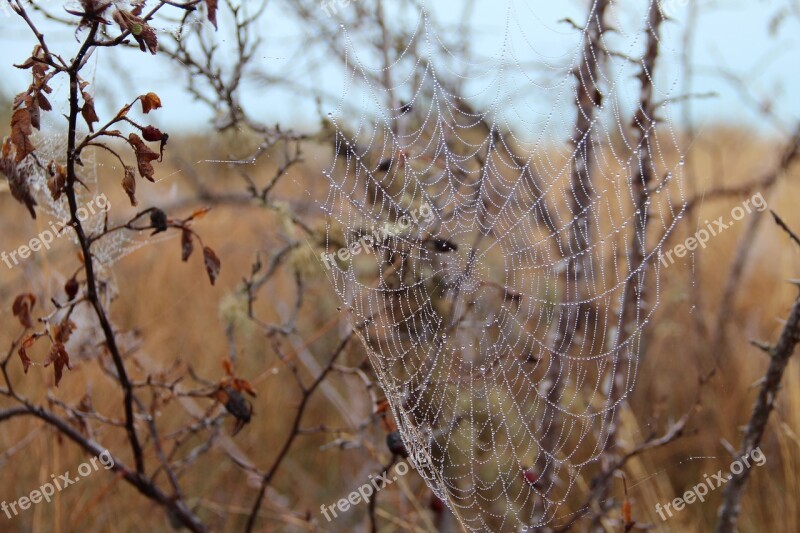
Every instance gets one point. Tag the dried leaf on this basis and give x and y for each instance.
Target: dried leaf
(23, 305)
(187, 245)
(33, 108)
(21, 130)
(149, 38)
(57, 180)
(59, 358)
(62, 331)
(124, 111)
(43, 102)
(88, 111)
(144, 157)
(92, 13)
(144, 34)
(211, 6)
(150, 101)
(26, 361)
(17, 177)
(129, 184)
(212, 263)
(199, 213)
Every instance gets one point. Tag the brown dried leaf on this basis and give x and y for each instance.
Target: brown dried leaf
(244, 385)
(26, 361)
(57, 180)
(17, 178)
(149, 38)
(43, 102)
(144, 34)
(62, 331)
(59, 358)
(212, 263)
(33, 108)
(150, 101)
(129, 184)
(23, 305)
(187, 245)
(124, 111)
(199, 213)
(88, 111)
(211, 6)
(144, 157)
(21, 130)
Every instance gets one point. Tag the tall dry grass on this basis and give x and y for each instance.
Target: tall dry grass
(169, 313)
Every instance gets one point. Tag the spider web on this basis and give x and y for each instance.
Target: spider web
(51, 146)
(487, 255)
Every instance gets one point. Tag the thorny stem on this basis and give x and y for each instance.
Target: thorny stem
(83, 239)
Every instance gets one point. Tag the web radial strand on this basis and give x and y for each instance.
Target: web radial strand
(487, 281)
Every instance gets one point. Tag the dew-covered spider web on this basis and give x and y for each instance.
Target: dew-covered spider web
(93, 204)
(488, 223)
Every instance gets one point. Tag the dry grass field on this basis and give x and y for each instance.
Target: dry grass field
(169, 315)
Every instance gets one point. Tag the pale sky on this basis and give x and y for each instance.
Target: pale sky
(732, 35)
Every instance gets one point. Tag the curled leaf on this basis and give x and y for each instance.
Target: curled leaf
(62, 331)
(212, 263)
(88, 111)
(23, 352)
(144, 157)
(187, 245)
(129, 185)
(150, 101)
(199, 213)
(59, 358)
(26, 361)
(144, 34)
(242, 385)
(57, 180)
(17, 176)
(124, 111)
(23, 305)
